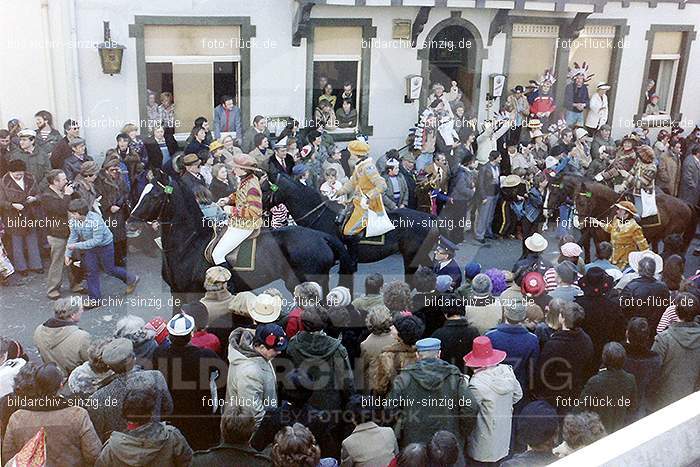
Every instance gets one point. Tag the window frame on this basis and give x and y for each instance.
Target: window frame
(364, 68)
(341, 132)
(247, 31)
(198, 60)
(675, 58)
(689, 35)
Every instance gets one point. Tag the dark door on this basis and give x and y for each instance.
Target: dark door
(452, 57)
(225, 81)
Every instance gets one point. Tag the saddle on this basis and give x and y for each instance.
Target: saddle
(218, 233)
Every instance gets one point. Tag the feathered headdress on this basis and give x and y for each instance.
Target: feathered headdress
(580, 70)
(547, 76)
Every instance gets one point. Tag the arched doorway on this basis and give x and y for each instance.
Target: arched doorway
(451, 60)
(453, 51)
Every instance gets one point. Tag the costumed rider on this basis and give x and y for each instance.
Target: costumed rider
(364, 189)
(244, 207)
(626, 235)
(623, 162)
(641, 178)
(445, 263)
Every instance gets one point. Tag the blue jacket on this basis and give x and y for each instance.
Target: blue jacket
(234, 121)
(453, 270)
(533, 205)
(522, 349)
(90, 233)
(574, 95)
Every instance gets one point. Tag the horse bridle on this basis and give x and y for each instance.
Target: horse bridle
(168, 190)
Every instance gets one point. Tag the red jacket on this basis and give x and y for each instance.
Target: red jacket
(206, 340)
(294, 324)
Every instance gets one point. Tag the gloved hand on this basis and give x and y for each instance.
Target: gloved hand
(619, 188)
(598, 178)
(364, 202)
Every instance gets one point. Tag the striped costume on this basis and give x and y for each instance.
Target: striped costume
(246, 217)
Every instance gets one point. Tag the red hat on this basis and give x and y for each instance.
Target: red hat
(158, 325)
(532, 284)
(483, 354)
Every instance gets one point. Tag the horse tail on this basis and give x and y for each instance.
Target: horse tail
(690, 228)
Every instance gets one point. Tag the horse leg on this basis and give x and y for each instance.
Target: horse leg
(655, 245)
(585, 242)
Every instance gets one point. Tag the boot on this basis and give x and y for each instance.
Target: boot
(352, 243)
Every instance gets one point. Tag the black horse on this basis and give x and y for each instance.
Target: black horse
(414, 237)
(293, 254)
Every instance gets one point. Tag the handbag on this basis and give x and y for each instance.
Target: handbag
(648, 203)
(378, 223)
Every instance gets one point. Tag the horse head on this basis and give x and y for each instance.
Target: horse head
(153, 198)
(274, 190)
(562, 189)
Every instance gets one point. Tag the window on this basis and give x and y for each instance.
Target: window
(537, 42)
(594, 46)
(665, 70)
(337, 61)
(663, 67)
(196, 64)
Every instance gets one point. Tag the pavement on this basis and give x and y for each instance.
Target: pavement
(23, 308)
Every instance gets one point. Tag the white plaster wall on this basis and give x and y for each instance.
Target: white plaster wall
(277, 68)
(640, 18)
(278, 73)
(23, 88)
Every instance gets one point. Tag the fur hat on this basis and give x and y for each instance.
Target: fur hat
(409, 328)
(358, 148)
(88, 168)
(16, 165)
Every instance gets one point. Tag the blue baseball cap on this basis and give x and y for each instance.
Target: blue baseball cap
(429, 343)
(271, 336)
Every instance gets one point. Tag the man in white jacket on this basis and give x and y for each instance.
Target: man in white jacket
(487, 139)
(598, 108)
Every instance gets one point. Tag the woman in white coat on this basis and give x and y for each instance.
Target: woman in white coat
(598, 108)
(496, 390)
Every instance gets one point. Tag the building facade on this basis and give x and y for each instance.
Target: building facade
(273, 54)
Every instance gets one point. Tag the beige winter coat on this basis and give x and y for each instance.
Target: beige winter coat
(63, 343)
(391, 361)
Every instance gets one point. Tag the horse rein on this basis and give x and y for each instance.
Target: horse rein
(322, 205)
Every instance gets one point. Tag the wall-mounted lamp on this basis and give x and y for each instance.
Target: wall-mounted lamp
(111, 53)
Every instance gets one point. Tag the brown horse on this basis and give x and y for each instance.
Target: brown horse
(595, 200)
